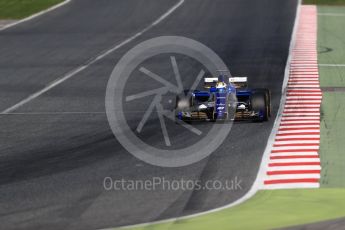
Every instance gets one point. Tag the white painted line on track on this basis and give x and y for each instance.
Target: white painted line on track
(304, 90)
(91, 61)
(303, 157)
(304, 112)
(301, 109)
(299, 69)
(303, 82)
(303, 49)
(292, 186)
(302, 101)
(304, 62)
(291, 118)
(302, 85)
(298, 102)
(296, 75)
(295, 160)
(304, 93)
(298, 136)
(292, 168)
(287, 122)
(301, 105)
(302, 68)
(303, 97)
(295, 154)
(303, 65)
(306, 76)
(301, 114)
(293, 148)
(293, 121)
(293, 176)
(299, 126)
(303, 79)
(300, 96)
(304, 52)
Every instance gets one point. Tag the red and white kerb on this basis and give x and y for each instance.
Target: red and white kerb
(294, 160)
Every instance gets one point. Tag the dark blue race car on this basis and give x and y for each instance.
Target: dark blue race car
(225, 99)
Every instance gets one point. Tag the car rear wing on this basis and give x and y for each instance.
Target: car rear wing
(236, 81)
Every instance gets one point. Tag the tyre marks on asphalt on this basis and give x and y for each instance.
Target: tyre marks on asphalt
(294, 159)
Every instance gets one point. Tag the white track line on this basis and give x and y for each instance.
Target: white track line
(303, 109)
(302, 101)
(303, 97)
(300, 136)
(293, 168)
(91, 61)
(299, 126)
(294, 176)
(303, 90)
(298, 81)
(295, 154)
(298, 118)
(300, 106)
(301, 114)
(302, 122)
(293, 148)
(35, 15)
(295, 160)
(292, 186)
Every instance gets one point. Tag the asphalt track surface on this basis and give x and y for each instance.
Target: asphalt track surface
(57, 149)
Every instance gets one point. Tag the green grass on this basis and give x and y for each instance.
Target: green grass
(324, 2)
(17, 9)
(332, 76)
(268, 210)
(331, 45)
(331, 48)
(332, 148)
(331, 40)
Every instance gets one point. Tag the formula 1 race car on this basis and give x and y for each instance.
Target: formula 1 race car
(225, 99)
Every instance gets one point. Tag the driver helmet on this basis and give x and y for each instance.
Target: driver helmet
(221, 82)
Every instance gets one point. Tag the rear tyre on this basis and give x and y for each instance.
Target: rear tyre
(260, 104)
(267, 93)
